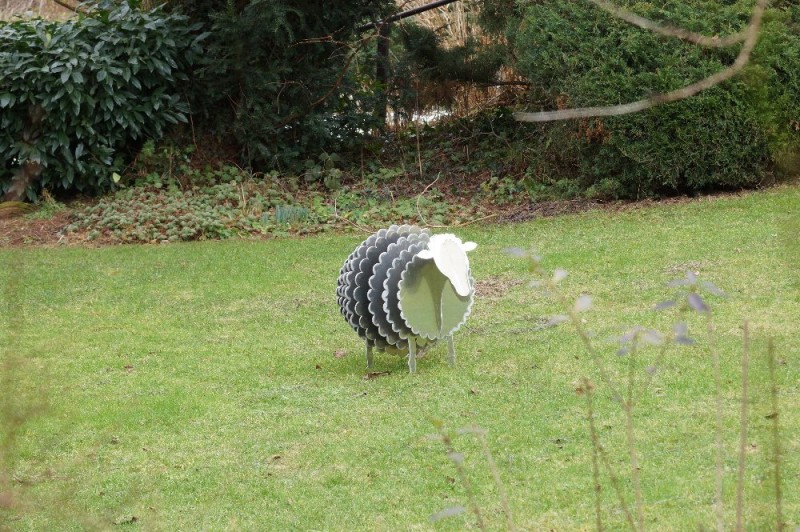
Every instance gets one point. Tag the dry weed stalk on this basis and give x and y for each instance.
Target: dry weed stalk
(743, 428)
(719, 510)
(777, 452)
(586, 388)
(458, 461)
(691, 300)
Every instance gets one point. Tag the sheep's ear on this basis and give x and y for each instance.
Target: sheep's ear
(469, 246)
(425, 254)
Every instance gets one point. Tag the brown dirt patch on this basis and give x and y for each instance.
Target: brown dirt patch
(495, 287)
(530, 211)
(21, 231)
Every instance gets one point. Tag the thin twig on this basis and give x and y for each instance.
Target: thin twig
(587, 389)
(194, 138)
(743, 429)
(65, 5)
(629, 434)
(776, 436)
(419, 198)
(462, 474)
(481, 435)
(656, 364)
(336, 216)
(670, 31)
(333, 88)
(474, 220)
(587, 342)
(575, 318)
(615, 483)
(416, 137)
(718, 506)
(741, 61)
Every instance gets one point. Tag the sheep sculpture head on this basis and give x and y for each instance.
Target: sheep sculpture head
(402, 290)
(449, 254)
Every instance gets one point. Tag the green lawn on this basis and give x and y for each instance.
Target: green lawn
(194, 386)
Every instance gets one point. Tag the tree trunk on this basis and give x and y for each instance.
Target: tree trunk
(24, 176)
(29, 171)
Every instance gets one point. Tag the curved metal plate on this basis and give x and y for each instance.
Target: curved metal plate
(429, 304)
(397, 243)
(369, 306)
(349, 307)
(391, 285)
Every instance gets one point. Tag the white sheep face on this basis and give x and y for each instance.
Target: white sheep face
(449, 254)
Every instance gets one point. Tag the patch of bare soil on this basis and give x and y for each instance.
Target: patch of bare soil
(20, 231)
(495, 287)
(532, 210)
(529, 211)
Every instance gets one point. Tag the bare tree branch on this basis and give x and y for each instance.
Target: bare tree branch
(670, 31)
(502, 83)
(354, 52)
(751, 37)
(67, 5)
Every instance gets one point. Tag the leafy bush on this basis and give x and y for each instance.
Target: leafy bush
(165, 212)
(428, 74)
(78, 96)
(229, 202)
(730, 136)
(278, 81)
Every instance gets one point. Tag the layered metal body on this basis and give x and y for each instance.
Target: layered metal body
(392, 293)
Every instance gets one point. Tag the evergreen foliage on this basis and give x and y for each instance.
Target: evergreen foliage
(470, 62)
(77, 97)
(730, 136)
(279, 81)
(426, 72)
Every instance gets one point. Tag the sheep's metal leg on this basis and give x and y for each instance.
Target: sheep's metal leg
(451, 351)
(412, 356)
(369, 355)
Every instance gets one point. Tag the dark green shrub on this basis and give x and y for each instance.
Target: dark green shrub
(731, 136)
(277, 81)
(426, 74)
(232, 203)
(77, 96)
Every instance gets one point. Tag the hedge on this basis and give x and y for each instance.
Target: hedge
(78, 97)
(735, 135)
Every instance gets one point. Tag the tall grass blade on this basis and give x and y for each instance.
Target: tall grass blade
(777, 452)
(719, 510)
(743, 428)
(587, 389)
(497, 480)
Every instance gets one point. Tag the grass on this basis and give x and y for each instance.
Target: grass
(194, 386)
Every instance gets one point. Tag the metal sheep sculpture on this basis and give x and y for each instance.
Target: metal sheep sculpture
(403, 289)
